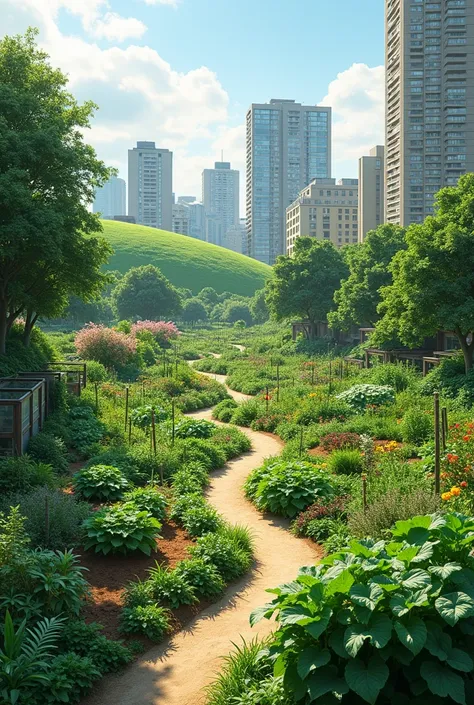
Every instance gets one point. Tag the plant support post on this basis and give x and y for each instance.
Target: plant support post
(437, 445)
(127, 393)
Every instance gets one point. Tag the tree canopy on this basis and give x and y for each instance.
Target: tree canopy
(48, 177)
(194, 311)
(144, 292)
(235, 310)
(258, 307)
(369, 271)
(433, 279)
(304, 285)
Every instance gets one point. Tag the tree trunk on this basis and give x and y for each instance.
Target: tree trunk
(467, 350)
(30, 321)
(3, 332)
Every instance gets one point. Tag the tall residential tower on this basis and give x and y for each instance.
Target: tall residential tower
(288, 145)
(430, 102)
(150, 190)
(220, 193)
(371, 191)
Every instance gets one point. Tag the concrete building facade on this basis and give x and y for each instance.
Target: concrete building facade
(371, 191)
(430, 102)
(150, 185)
(111, 199)
(181, 218)
(288, 145)
(325, 210)
(220, 193)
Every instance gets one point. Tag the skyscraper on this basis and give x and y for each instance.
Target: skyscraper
(430, 102)
(371, 191)
(288, 145)
(220, 193)
(110, 200)
(150, 190)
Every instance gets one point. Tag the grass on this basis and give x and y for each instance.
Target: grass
(186, 262)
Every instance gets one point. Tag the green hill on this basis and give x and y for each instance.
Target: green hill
(185, 261)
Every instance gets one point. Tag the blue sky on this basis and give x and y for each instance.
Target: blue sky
(183, 72)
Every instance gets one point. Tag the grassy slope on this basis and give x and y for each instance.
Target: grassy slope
(185, 261)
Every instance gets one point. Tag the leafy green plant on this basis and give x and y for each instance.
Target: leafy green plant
(362, 396)
(201, 450)
(381, 622)
(287, 487)
(58, 581)
(86, 640)
(232, 441)
(346, 462)
(96, 372)
(84, 429)
(46, 448)
(200, 520)
(322, 509)
(224, 410)
(247, 412)
(70, 678)
(322, 412)
(100, 482)
(203, 577)
(142, 417)
(191, 479)
(170, 588)
(151, 621)
(138, 594)
(195, 428)
(23, 474)
(121, 529)
(148, 499)
(417, 427)
(186, 503)
(225, 552)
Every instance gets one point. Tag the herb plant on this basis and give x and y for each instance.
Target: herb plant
(123, 529)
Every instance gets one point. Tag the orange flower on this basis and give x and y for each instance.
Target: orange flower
(464, 484)
(467, 438)
(452, 458)
(455, 491)
(446, 496)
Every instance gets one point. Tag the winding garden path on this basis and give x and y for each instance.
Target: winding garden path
(177, 671)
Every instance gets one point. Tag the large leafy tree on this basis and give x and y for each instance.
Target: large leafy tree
(433, 279)
(194, 311)
(258, 307)
(369, 271)
(144, 292)
(48, 176)
(304, 285)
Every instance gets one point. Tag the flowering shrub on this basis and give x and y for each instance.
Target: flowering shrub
(386, 448)
(339, 441)
(267, 423)
(162, 332)
(322, 509)
(105, 345)
(457, 466)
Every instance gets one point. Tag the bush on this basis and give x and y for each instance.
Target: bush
(57, 581)
(322, 412)
(196, 449)
(417, 427)
(97, 372)
(399, 376)
(148, 499)
(267, 423)
(401, 629)
(123, 459)
(364, 396)
(105, 345)
(195, 428)
(346, 462)
(185, 503)
(84, 429)
(66, 516)
(151, 621)
(23, 474)
(247, 412)
(191, 479)
(121, 529)
(162, 332)
(170, 588)
(200, 520)
(319, 511)
(231, 441)
(86, 640)
(287, 487)
(69, 678)
(339, 441)
(142, 416)
(225, 552)
(103, 483)
(203, 577)
(224, 410)
(45, 448)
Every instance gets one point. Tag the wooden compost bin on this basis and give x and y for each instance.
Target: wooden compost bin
(22, 413)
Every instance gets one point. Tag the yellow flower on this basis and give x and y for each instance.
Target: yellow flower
(446, 496)
(455, 491)
(379, 449)
(324, 465)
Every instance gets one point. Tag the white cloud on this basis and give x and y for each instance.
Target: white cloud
(114, 27)
(171, 3)
(357, 97)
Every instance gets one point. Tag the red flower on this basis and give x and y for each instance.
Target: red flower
(452, 458)
(467, 438)
(464, 483)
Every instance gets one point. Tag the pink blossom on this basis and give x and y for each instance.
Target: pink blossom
(105, 345)
(161, 331)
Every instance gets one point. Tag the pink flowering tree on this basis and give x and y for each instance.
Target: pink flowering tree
(110, 347)
(162, 332)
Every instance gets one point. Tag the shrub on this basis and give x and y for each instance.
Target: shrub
(105, 345)
(267, 423)
(399, 375)
(364, 396)
(417, 427)
(142, 417)
(124, 460)
(86, 640)
(323, 412)
(247, 412)
(57, 581)
(148, 499)
(197, 449)
(231, 441)
(23, 474)
(151, 621)
(191, 479)
(96, 372)
(84, 429)
(45, 448)
(185, 503)
(100, 482)
(195, 428)
(121, 529)
(287, 488)
(69, 678)
(170, 588)
(320, 510)
(200, 520)
(346, 462)
(224, 410)
(203, 577)
(339, 441)
(224, 552)
(162, 332)
(400, 629)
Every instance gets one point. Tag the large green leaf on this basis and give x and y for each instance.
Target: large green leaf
(438, 643)
(460, 660)
(443, 681)
(378, 631)
(294, 614)
(341, 584)
(259, 613)
(325, 680)
(366, 595)
(367, 680)
(312, 657)
(455, 606)
(445, 571)
(318, 624)
(336, 643)
(412, 633)
(416, 579)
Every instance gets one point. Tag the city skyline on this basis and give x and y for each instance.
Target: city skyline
(189, 96)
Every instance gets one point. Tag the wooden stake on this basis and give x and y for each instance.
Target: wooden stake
(153, 431)
(127, 393)
(443, 430)
(437, 445)
(173, 422)
(364, 493)
(130, 431)
(46, 520)
(301, 440)
(278, 383)
(444, 416)
(96, 396)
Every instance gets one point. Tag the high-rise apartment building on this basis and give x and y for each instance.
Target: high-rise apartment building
(371, 191)
(181, 218)
(220, 193)
(288, 145)
(430, 102)
(150, 185)
(325, 210)
(111, 199)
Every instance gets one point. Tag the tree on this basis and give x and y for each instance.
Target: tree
(48, 177)
(144, 292)
(194, 311)
(236, 311)
(258, 307)
(209, 297)
(433, 279)
(368, 263)
(304, 285)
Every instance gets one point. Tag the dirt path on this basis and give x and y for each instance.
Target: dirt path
(176, 672)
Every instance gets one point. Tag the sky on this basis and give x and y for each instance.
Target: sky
(182, 73)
